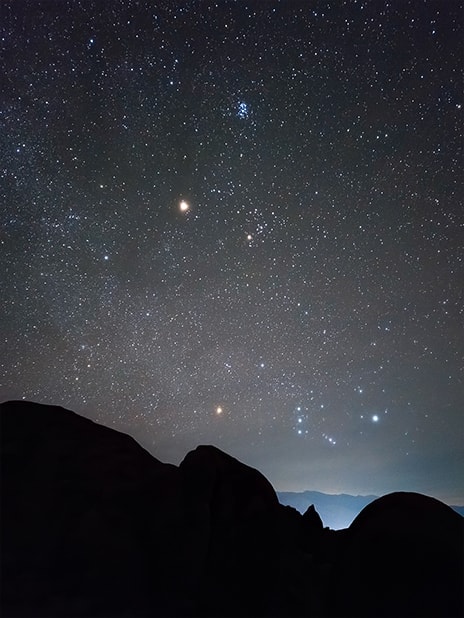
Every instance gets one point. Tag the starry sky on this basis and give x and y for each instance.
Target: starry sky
(241, 223)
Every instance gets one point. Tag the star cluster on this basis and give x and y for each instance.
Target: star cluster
(241, 223)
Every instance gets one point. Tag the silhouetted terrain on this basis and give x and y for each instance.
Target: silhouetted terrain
(337, 511)
(92, 525)
(458, 509)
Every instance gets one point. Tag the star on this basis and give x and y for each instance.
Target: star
(244, 244)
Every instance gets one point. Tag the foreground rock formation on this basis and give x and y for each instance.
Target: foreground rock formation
(93, 525)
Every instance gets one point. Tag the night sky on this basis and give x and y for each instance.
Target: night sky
(241, 223)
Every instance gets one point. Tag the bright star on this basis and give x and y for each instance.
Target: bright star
(184, 206)
(375, 418)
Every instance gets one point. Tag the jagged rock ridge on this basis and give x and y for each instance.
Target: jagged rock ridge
(92, 525)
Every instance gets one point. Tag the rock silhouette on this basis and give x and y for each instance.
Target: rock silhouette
(93, 525)
(420, 542)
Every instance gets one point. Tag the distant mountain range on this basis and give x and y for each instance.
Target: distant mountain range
(336, 511)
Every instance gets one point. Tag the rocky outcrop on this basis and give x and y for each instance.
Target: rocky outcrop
(234, 509)
(80, 506)
(402, 555)
(93, 525)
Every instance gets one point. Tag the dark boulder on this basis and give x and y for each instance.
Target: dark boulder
(235, 511)
(401, 556)
(91, 524)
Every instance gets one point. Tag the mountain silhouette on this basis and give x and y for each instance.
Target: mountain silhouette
(92, 525)
(337, 511)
